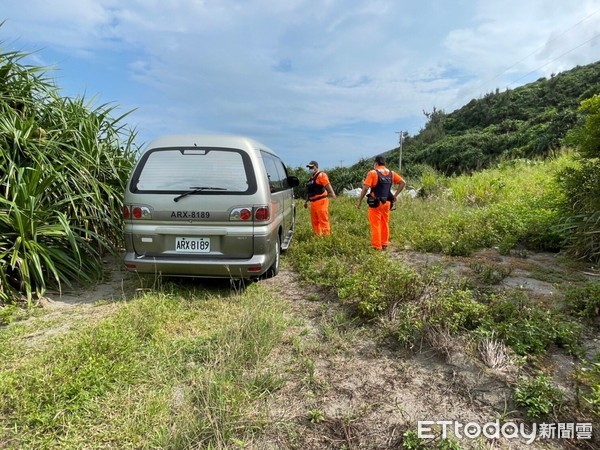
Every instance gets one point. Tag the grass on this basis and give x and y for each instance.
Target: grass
(177, 369)
(459, 216)
(489, 208)
(189, 366)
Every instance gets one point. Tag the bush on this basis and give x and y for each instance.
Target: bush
(63, 168)
(456, 310)
(581, 207)
(584, 301)
(378, 285)
(538, 396)
(527, 327)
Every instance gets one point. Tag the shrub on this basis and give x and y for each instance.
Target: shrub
(581, 206)
(584, 301)
(63, 167)
(455, 310)
(409, 325)
(432, 183)
(528, 328)
(377, 285)
(538, 396)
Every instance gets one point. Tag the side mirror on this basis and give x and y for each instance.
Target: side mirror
(293, 181)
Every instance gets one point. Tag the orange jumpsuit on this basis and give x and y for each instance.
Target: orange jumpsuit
(379, 217)
(319, 208)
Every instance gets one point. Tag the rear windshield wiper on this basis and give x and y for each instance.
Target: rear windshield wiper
(195, 189)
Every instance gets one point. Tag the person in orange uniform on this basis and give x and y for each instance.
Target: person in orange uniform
(318, 190)
(379, 182)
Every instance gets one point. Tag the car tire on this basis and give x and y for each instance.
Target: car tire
(274, 269)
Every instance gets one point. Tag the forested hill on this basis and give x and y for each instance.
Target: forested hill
(526, 122)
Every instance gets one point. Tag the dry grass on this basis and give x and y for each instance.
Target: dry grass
(493, 353)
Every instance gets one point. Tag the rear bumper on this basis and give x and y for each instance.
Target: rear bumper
(201, 268)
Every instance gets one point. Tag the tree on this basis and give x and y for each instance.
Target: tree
(434, 128)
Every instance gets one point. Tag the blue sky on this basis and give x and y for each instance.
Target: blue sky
(331, 80)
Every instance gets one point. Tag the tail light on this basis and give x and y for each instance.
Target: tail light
(258, 214)
(240, 214)
(137, 212)
(262, 214)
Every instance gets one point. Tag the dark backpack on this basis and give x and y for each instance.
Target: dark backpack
(382, 192)
(312, 188)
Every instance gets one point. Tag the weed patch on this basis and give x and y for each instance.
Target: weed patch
(528, 327)
(538, 397)
(584, 301)
(178, 370)
(588, 377)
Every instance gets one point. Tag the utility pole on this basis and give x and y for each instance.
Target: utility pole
(400, 140)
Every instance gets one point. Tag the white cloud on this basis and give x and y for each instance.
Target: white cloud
(513, 38)
(339, 76)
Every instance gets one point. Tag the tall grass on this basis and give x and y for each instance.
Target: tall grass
(513, 206)
(582, 186)
(63, 166)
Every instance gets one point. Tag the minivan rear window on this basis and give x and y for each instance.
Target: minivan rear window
(216, 170)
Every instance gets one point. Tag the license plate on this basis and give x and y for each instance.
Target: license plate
(192, 245)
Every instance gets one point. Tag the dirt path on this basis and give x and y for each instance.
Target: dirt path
(345, 389)
(351, 392)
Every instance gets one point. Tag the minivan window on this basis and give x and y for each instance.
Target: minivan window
(275, 178)
(282, 172)
(178, 170)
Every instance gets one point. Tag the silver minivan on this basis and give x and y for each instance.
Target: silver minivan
(215, 206)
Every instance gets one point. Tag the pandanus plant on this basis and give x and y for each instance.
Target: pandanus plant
(63, 167)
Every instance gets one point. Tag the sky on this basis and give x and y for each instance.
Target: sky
(331, 80)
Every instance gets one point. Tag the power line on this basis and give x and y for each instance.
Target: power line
(558, 57)
(548, 42)
(532, 53)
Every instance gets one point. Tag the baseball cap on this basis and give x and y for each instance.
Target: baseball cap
(312, 164)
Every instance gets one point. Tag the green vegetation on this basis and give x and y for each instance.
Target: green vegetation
(538, 396)
(584, 300)
(513, 207)
(182, 368)
(467, 215)
(316, 416)
(581, 206)
(526, 122)
(588, 377)
(63, 165)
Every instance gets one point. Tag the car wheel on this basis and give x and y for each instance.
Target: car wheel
(274, 269)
